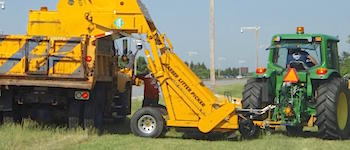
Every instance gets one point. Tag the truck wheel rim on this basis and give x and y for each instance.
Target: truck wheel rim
(342, 111)
(147, 124)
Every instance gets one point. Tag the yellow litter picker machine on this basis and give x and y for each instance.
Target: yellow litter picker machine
(188, 102)
(68, 58)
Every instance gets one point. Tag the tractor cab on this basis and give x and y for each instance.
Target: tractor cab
(300, 51)
(313, 55)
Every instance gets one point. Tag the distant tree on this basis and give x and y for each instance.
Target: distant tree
(346, 54)
(345, 65)
(201, 70)
(142, 66)
(192, 65)
(345, 62)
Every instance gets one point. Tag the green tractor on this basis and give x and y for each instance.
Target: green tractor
(303, 81)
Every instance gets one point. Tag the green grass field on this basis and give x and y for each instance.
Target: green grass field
(33, 136)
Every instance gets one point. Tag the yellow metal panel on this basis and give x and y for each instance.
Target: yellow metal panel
(88, 18)
(44, 23)
(66, 57)
(38, 57)
(189, 83)
(12, 55)
(66, 68)
(181, 109)
(231, 123)
(10, 46)
(208, 123)
(173, 123)
(18, 69)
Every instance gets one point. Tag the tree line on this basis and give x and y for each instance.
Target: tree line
(200, 69)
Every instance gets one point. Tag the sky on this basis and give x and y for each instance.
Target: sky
(186, 23)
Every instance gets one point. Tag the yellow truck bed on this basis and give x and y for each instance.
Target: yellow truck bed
(43, 61)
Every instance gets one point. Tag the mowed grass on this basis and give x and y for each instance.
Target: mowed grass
(30, 135)
(234, 90)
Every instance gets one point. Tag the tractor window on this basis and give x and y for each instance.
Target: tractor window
(281, 57)
(297, 52)
(332, 54)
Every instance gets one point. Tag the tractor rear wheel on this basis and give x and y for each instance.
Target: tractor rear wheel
(332, 107)
(252, 94)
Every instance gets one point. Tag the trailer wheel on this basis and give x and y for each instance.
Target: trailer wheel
(148, 122)
(248, 130)
(332, 107)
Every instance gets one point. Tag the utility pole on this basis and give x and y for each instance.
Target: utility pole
(256, 29)
(212, 44)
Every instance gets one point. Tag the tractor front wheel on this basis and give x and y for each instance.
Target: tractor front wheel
(332, 107)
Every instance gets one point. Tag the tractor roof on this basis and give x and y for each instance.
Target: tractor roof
(306, 36)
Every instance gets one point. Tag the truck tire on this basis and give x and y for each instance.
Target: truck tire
(148, 122)
(89, 114)
(332, 109)
(6, 103)
(7, 117)
(74, 113)
(94, 107)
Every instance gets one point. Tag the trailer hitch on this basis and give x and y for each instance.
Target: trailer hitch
(247, 128)
(255, 111)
